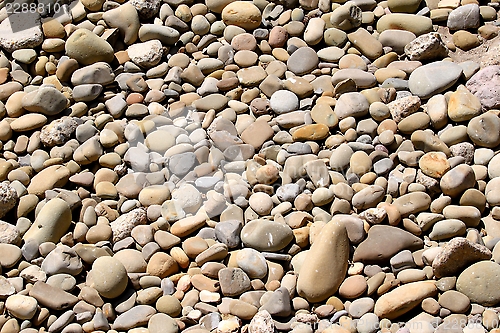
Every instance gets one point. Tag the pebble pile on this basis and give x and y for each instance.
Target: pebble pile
(236, 166)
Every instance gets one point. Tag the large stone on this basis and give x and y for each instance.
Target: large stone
(383, 242)
(266, 235)
(479, 281)
(46, 100)
(243, 14)
(21, 30)
(433, 78)
(404, 298)
(325, 264)
(87, 48)
(109, 277)
(51, 223)
(485, 85)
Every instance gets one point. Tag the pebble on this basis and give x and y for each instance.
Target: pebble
(232, 165)
(311, 283)
(109, 277)
(424, 83)
(473, 282)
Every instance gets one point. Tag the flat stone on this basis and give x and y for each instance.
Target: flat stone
(302, 61)
(424, 81)
(52, 297)
(136, 316)
(22, 30)
(383, 242)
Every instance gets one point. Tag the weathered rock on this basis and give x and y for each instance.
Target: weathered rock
(457, 254)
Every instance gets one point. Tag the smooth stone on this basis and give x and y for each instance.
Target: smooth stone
(252, 262)
(87, 48)
(243, 14)
(457, 180)
(52, 297)
(162, 323)
(368, 45)
(303, 61)
(396, 39)
(404, 298)
(166, 35)
(136, 316)
(419, 25)
(126, 19)
(477, 281)
(325, 264)
(464, 17)
(447, 229)
(454, 301)
(28, 122)
(434, 164)
(361, 78)
(278, 235)
(425, 83)
(351, 104)
(412, 203)
(284, 101)
(109, 277)
(484, 130)
(383, 242)
(46, 100)
(21, 307)
(96, 73)
(51, 223)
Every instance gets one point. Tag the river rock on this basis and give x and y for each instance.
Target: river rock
(87, 48)
(424, 81)
(109, 277)
(383, 242)
(277, 235)
(404, 298)
(477, 280)
(52, 222)
(457, 254)
(243, 14)
(325, 264)
(46, 100)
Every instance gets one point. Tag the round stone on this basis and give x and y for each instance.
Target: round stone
(284, 101)
(303, 61)
(478, 282)
(109, 277)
